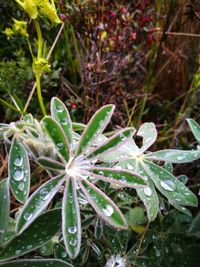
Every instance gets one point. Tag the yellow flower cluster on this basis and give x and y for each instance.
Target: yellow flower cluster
(36, 8)
(18, 27)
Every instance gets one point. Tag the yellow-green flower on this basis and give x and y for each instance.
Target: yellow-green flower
(40, 7)
(9, 32)
(41, 65)
(20, 27)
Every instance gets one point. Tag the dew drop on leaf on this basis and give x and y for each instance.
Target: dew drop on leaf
(147, 191)
(18, 175)
(28, 216)
(73, 242)
(129, 167)
(108, 210)
(21, 186)
(59, 146)
(59, 109)
(44, 194)
(168, 185)
(18, 161)
(72, 229)
(64, 121)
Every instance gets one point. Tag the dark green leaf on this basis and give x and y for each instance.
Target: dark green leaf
(195, 128)
(36, 263)
(71, 225)
(50, 163)
(19, 171)
(4, 208)
(95, 127)
(38, 201)
(42, 230)
(60, 114)
(57, 135)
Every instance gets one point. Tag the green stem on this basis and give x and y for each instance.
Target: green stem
(39, 93)
(40, 41)
(37, 73)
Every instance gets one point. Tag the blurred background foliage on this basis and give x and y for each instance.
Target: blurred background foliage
(142, 56)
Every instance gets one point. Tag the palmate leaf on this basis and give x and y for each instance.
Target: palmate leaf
(60, 114)
(71, 222)
(95, 127)
(57, 135)
(121, 178)
(19, 171)
(103, 205)
(174, 155)
(112, 143)
(169, 185)
(43, 229)
(38, 201)
(50, 163)
(36, 263)
(4, 208)
(195, 128)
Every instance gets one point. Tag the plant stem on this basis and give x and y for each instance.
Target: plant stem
(40, 42)
(38, 74)
(39, 93)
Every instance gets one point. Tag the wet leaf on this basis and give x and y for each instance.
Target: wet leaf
(170, 186)
(174, 156)
(38, 201)
(36, 263)
(95, 127)
(60, 114)
(19, 171)
(195, 128)
(103, 205)
(57, 135)
(149, 134)
(71, 222)
(122, 178)
(112, 143)
(50, 163)
(42, 230)
(4, 208)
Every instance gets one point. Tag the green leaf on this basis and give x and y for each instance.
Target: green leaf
(149, 134)
(168, 166)
(95, 127)
(71, 225)
(78, 126)
(183, 178)
(4, 208)
(10, 231)
(38, 201)
(120, 177)
(60, 252)
(50, 163)
(42, 230)
(19, 171)
(195, 128)
(36, 263)
(136, 216)
(57, 135)
(148, 194)
(112, 143)
(60, 114)
(174, 156)
(103, 205)
(169, 185)
(47, 249)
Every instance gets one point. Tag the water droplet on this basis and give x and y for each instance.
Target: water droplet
(28, 216)
(18, 161)
(29, 247)
(63, 254)
(18, 175)
(147, 191)
(59, 146)
(73, 242)
(72, 229)
(64, 121)
(157, 253)
(44, 194)
(18, 251)
(180, 158)
(129, 167)
(21, 186)
(168, 185)
(59, 108)
(123, 179)
(108, 210)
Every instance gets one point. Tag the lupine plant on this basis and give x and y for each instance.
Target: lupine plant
(77, 165)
